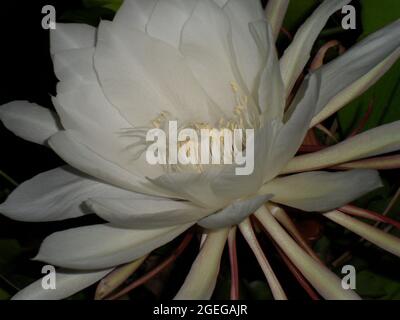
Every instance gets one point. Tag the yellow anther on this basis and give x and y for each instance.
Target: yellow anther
(234, 86)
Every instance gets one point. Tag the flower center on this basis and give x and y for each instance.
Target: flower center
(224, 132)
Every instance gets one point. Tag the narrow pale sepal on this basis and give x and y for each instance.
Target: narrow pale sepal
(382, 239)
(248, 233)
(380, 140)
(298, 53)
(201, 280)
(113, 280)
(322, 191)
(356, 89)
(323, 280)
(284, 219)
(275, 13)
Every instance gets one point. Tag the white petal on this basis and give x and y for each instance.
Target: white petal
(319, 276)
(297, 54)
(206, 45)
(83, 108)
(75, 67)
(382, 239)
(231, 184)
(291, 135)
(134, 14)
(99, 126)
(356, 89)
(29, 121)
(275, 12)
(103, 246)
(271, 93)
(357, 62)
(249, 58)
(82, 158)
(221, 3)
(168, 18)
(143, 212)
(55, 195)
(201, 280)
(71, 36)
(67, 284)
(144, 77)
(234, 214)
(322, 191)
(217, 186)
(383, 139)
(193, 187)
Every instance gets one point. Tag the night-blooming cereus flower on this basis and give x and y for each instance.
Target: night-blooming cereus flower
(209, 63)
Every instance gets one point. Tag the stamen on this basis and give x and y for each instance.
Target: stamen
(243, 117)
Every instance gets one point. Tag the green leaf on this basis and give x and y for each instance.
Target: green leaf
(374, 286)
(376, 14)
(385, 94)
(298, 12)
(113, 5)
(90, 16)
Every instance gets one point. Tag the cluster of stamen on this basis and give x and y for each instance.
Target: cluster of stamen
(243, 118)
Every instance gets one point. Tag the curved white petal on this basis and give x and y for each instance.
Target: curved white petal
(193, 187)
(144, 77)
(168, 18)
(298, 53)
(55, 195)
(382, 239)
(275, 12)
(216, 187)
(342, 72)
(207, 47)
(271, 93)
(248, 56)
(355, 89)
(221, 3)
(103, 246)
(383, 139)
(134, 14)
(143, 212)
(82, 107)
(84, 159)
(242, 181)
(234, 214)
(322, 191)
(29, 121)
(321, 278)
(288, 139)
(73, 68)
(101, 128)
(71, 36)
(201, 280)
(67, 284)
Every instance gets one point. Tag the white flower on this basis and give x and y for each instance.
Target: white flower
(207, 62)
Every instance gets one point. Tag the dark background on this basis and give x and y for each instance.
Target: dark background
(26, 74)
